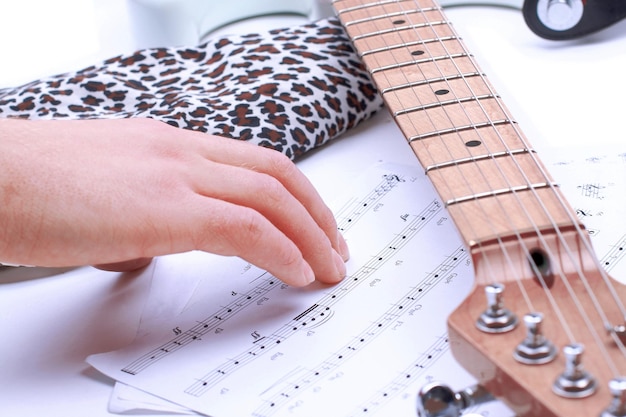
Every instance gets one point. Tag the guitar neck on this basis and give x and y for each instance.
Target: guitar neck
(479, 161)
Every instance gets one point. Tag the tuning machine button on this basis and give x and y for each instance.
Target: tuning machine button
(617, 408)
(438, 400)
(535, 349)
(574, 382)
(496, 318)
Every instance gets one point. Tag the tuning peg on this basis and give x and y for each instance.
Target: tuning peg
(574, 382)
(437, 400)
(535, 349)
(496, 318)
(617, 386)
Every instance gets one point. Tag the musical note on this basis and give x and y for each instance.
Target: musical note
(312, 344)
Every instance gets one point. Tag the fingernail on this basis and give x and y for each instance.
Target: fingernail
(340, 264)
(343, 247)
(308, 275)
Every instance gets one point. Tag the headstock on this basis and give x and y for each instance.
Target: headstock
(565, 358)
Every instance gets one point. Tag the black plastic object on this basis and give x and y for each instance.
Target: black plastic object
(597, 15)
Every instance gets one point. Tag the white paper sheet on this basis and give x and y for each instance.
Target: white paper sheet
(245, 344)
(594, 182)
(383, 336)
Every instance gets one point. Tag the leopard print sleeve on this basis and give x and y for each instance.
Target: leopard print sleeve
(290, 89)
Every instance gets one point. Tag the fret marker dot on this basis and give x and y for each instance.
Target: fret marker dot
(398, 22)
(442, 92)
(473, 143)
(417, 53)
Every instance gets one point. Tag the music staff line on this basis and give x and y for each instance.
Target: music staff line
(206, 382)
(404, 305)
(211, 324)
(616, 254)
(404, 378)
(351, 212)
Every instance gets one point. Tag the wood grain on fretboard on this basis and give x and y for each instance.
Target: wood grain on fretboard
(463, 135)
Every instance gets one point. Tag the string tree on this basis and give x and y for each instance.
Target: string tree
(496, 318)
(618, 331)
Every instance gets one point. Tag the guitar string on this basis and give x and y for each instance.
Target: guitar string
(476, 130)
(570, 290)
(479, 133)
(486, 259)
(520, 239)
(488, 263)
(475, 95)
(580, 273)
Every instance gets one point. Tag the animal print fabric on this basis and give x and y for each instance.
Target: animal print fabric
(290, 89)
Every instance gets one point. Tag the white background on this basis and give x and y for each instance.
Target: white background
(563, 94)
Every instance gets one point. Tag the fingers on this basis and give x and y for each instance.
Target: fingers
(178, 190)
(278, 166)
(234, 230)
(267, 196)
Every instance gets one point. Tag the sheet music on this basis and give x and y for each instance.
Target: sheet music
(225, 338)
(228, 339)
(594, 182)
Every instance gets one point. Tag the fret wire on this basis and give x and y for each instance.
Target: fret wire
(495, 193)
(443, 103)
(529, 302)
(431, 25)
(386, 16)
(486, 260)
(574, 220)
(478, 158)
(474, 126)
(429, 81)
(375, 4)
(363, 6)
(407, 44)
(417, 62)
(391, 30)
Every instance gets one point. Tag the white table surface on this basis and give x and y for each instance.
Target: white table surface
(563, 94)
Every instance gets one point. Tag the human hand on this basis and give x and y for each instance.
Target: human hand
(116, 193)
